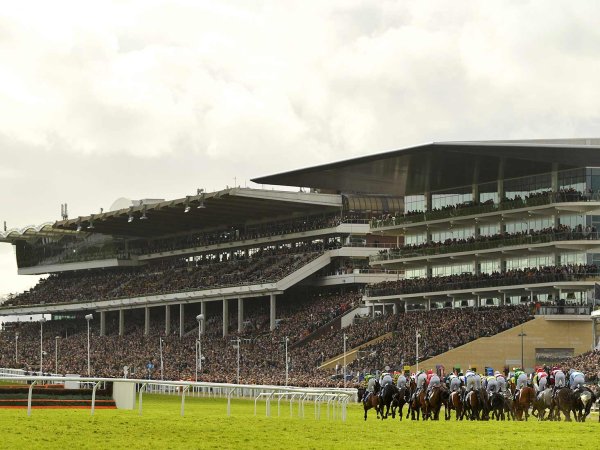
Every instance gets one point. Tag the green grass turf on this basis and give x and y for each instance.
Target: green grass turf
(206, 425)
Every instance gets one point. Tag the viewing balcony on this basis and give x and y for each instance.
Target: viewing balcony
(488, 248)
(546, 204)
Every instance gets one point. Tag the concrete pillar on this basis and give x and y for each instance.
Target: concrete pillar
(594, 333)
(428, 304)
(272, 310)
(181, 319)
(405, 306)
(225, 317)
(428, 201)
(121, 322)
(102, 323)
(203, 323)
(167, 320)
(373, 310)
(240, 315)
(501, 167)
(395, 308)
(146, 321)
(554, 177)
(428, 235)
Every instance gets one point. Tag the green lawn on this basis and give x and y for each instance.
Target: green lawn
(206, 425)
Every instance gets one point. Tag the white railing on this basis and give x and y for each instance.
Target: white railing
(337, 399)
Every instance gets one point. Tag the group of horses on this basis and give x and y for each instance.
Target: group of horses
(478, 404)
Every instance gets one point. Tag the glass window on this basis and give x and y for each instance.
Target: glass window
(453, 233)
(415, 273)
(415, 239)
(414, 203)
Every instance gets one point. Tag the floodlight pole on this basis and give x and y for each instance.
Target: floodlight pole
(345, 339)
(238, 360)
(417, 336)
(88, 318)
(162, 365)
(16, 348)
(42, 320)
(287, 366)
(56, 338)
(200, 319)
(522, 336)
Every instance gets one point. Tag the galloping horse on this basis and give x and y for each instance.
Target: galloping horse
(387, 395)
(542, 402)
(584, 399)
(565, 402)
(455, 403)
(400, 399)
(508, 406)
(472, 405)
(434, 402)
(373, 401)
(497, 406)
(524, 402)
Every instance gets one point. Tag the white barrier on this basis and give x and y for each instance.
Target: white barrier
(337, 398)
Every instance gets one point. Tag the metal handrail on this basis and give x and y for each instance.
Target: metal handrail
(484, 244)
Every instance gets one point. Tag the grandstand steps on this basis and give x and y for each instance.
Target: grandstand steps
(335, 324)
(304, 271)
(544, 336)
(352, 354)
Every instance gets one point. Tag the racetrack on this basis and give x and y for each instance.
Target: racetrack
(206, 425)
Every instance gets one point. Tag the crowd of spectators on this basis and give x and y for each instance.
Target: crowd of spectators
(516, 201)
(562, 232)
(530, 275)
(440, 331)
(262, 353)
(588, 363)
(170, 276)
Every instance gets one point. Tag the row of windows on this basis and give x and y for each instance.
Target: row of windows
(494, 265)
(581, 180)
(490, 229)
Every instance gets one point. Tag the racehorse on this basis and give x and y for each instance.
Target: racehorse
(542, 402)
(437, 396)
(485, 407)
(584, 399)
(508, 406)
(400, 399)
(373, 401)
(524, 402)
(497, 406)
(455, 403)
(472, 405)
(387, 395)
(565, 402)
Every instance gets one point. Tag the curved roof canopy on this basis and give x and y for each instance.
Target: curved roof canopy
(441, 165)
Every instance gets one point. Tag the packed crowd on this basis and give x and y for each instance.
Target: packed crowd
(262, 353)
(236, 233)
(588, 363)
(563, 195)
(470, 280)
(440, 331)
(168, 276)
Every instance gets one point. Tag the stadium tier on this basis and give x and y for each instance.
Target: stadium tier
(474, 236)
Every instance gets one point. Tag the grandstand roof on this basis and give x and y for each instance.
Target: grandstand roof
(206, 210)
(440, 165)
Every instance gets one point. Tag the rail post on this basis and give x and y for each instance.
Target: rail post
(94, 397)
(185, 389)
(29, 396)
(142, 389)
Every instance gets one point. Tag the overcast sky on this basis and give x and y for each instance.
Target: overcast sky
(153, 99)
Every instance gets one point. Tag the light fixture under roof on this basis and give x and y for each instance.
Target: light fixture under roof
(78, 227)
(130, 218)
(187, 209)
(144, 216)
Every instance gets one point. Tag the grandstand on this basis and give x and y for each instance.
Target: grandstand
(470, 238)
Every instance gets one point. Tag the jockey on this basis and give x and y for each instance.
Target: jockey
(501, 382)
(371, 385)
(559, 379)
(401, 382)
(492, 385)
(421, 380)
(434, 381)
(520, 381)
(454, 383)
(385, 379)
(540, 379)
(576, 379)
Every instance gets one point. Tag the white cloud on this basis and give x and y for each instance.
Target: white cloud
(154, 98)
